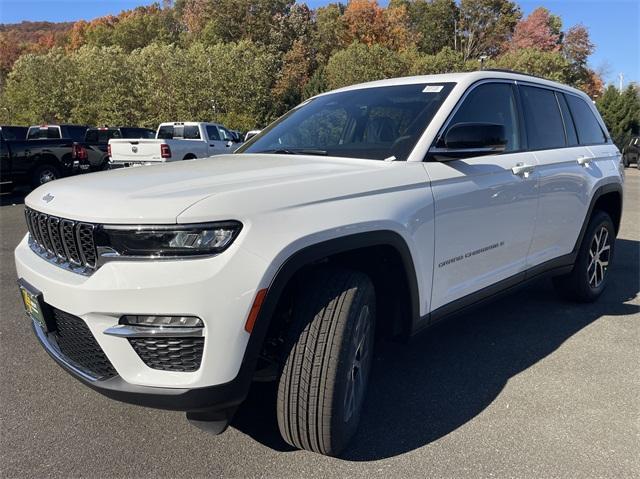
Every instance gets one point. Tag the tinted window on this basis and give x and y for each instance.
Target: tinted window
(542, 115)
(191, 132)
(589, 130)
(212, 133)
(101, 136)
(76, 133)
(570, 129)
(13, 132)
(42, 132)
(165, 132)
(492, 103)
(227, 135)
(137, 133)
(372, 123)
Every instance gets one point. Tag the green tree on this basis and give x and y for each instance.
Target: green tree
(551, 65)
(330, 31)
(360, 63)
(486, 25)
(435, 23)
(621, 113)
(39, 89)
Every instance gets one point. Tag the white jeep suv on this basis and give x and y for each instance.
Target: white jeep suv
(371, 211)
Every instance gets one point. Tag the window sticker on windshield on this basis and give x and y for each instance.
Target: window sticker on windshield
(432, 89)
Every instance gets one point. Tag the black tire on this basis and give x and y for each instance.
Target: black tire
(588, 279)
(43, 174)
(189, 157)
(333, 309)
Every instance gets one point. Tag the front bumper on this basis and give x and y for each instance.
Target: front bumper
(213, 398)
(215, 289)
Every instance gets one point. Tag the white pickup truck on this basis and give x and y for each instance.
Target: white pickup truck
(173, 142)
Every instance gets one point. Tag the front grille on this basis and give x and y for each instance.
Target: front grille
(170, 354)
(65, 242)
(78, 344)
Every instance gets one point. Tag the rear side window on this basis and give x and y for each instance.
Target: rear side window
(13, 132)
(542, 115)
(191, 132)
(101, 136)
(492, 103)
(212, 133)
(570, 129)
(589, 130)
(165, 132)
(76, 133)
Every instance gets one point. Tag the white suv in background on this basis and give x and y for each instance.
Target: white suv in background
(374, 210)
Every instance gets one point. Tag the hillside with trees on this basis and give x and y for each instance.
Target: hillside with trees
(245, 62)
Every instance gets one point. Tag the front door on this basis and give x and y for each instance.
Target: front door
(485, 206)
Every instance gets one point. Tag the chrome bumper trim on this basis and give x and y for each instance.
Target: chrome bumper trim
(128, 331)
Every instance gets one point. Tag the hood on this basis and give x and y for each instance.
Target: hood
(161, 193)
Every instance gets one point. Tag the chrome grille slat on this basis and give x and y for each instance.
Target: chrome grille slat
(65, 242)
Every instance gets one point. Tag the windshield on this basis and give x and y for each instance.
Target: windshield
(373, 123)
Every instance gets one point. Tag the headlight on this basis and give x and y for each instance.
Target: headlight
(164, 241)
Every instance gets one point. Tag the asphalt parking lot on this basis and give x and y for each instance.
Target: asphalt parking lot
(528, 386)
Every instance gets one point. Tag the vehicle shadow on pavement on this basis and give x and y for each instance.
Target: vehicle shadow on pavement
(445, 377)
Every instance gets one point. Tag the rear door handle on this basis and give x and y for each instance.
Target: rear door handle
(523, 170)
(584, 160)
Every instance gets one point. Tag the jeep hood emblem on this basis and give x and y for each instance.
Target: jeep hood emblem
(48, 198)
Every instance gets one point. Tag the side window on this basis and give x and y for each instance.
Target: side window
(165, 132)
(492, 103)
(589, 130)
(51, 132)
(569, 127)
(191, 132)
(545, 129)
(212, 133)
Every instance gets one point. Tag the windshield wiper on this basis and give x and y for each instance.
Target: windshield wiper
(297, 151)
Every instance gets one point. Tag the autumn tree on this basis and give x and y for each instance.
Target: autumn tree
(539, 30)
(367, 23)
(433, 21)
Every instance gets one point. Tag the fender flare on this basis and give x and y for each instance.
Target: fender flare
(599, 192)
(316, 252)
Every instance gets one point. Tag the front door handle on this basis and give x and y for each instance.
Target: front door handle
(584, 160)
(523, 170)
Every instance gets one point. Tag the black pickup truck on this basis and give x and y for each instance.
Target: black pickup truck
(93, 151)
(35, 162)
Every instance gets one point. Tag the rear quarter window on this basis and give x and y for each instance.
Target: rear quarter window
(589, 130)
(545, 129)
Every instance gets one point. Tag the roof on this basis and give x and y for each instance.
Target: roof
(463, 78)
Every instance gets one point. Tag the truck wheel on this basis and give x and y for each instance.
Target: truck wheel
(189, 157)
(328, 356)
(44, 174)
(590, 271)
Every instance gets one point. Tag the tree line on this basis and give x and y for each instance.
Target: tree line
(245, 62)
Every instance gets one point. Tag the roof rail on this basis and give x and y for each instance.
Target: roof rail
(506, 70)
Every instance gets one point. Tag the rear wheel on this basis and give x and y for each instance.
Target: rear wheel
(328, 357)
(44, 174)
(590, 272)
(189, 157)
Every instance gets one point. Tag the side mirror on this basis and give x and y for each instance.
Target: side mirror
(464, 140)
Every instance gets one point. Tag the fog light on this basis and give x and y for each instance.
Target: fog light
(162, 321)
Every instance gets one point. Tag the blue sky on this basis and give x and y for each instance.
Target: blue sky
(614, 25)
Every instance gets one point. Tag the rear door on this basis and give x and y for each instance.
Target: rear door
(217, 145)
(572, 152)
(485, 205)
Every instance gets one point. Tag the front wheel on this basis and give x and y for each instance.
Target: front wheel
(44, 174)
(591, 269)
(328, 357)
